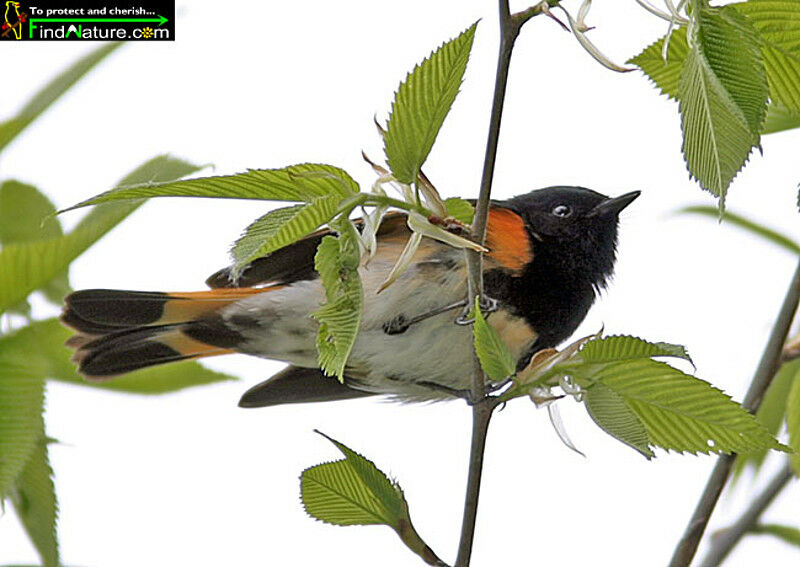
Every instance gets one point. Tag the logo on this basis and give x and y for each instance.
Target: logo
(70, 20)
(13, 19)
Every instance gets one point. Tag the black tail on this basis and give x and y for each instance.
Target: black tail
(122, 331)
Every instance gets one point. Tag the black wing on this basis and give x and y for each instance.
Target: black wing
(296, 385)
(291, 263)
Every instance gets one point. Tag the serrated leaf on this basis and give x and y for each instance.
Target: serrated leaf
(337, 260)
(771, 413)
(793, 421)
(496, 360)
(421, 105)
(624, 347)
(665, 74)
(280, 228)
(51, 92)
(610, 412)
(27, 266)
(45, 340)
(779, 119)
(787, 534)
(723, 97)
(778, 24)
(680, 412)
(460, 209)
(344, 493)
(21, 407)
(303, 182)
(750, 226)
(34, 500)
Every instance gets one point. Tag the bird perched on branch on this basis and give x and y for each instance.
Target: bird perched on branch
(550, 251)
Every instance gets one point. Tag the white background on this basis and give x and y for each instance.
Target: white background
(190, 479)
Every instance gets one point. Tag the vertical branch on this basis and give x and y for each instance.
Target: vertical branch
(483, 406)
(770, 360)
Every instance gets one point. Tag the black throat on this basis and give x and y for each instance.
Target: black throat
(553, 294)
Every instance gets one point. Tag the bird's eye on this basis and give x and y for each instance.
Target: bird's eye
(562, 211)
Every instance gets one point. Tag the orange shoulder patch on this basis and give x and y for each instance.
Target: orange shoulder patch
(508, 240)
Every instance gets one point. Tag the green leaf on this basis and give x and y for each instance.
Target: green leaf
(337, 261)
(778, 25)
(45, 339)
(48, 94)
(280, 228)
(27, 266)
(723, 97)
(678, 411)
(496, 360)
(779, 119)
(665, 74)
(788, 534)
(460, 209)
(303, 182)
(793, 421)
(610, 412)
(623, 347)
(753, 227)
(34, 500)
(21, 407)
(771, 413)
(25, 215)
(421, 105)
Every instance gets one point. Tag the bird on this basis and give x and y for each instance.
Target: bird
(12, 18)
(550, 252)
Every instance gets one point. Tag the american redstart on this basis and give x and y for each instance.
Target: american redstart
(550, 251)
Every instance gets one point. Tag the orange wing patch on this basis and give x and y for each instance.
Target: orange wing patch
(508, 240)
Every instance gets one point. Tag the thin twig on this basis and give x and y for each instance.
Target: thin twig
(770, 360)
(724, 541)
(483, 406)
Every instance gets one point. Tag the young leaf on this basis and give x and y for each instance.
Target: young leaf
(34, 500)
(770, 413)
(27, 266)
(610, 412)
(778, 25)
(492, 352)
(421, 105)
(753, 227)
(679, 412)
(779, 119)
(787, 534)
(337, 261)
(303, 182)
(21, 407)
(665, 74)
(47, 337)
(48, 94)
(622, 347)
(460, 209)
(723, 97)
(353, 491)
(281, 227)
(25, 215)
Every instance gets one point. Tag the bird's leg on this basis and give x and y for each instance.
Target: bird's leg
(487, 305)
(400, 324)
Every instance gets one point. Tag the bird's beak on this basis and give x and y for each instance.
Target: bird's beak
(615, 204)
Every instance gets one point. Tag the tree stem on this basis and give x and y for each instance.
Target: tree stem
(770, 360)
(483, 406)
(724, 541)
